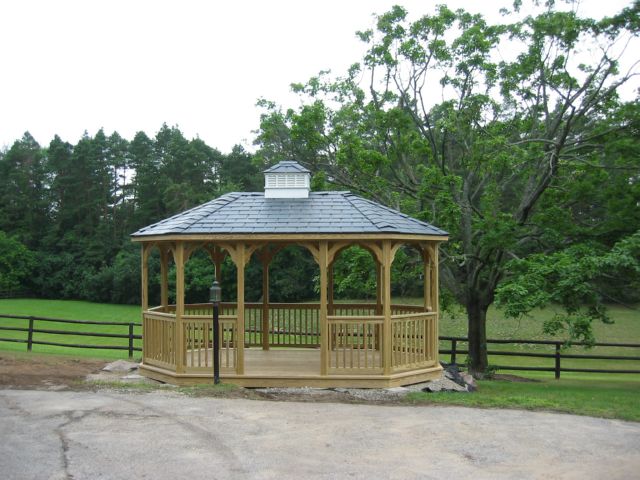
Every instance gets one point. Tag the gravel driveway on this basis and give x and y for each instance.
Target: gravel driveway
(166, 435)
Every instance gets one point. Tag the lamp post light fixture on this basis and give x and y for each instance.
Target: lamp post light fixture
(215, 295)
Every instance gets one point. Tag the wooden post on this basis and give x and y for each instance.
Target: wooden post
(179, 347)
(454, 345)
(386, 307)
(378, 288)
(240, 258)
(324, 323)
(330, 289)
(426, 263)
(130, 340)
(435, 301)
(266, 260)
(164, 277)
(30, 335)
(145, 277)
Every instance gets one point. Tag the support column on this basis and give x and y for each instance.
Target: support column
(324, 322)
(378, 288)
(426, 263)
(144, 292)
(179, 337)
(144, 295)
(266, 260)
(240, 264)
(386, 307)
(164, 277)
(435, 299)
(330, 310)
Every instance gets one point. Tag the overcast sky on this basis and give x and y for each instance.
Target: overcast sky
(71, 66)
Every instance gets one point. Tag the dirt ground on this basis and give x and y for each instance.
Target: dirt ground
(28, 370)
(22, 370)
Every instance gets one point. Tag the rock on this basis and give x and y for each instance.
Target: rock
(399, 390)
(472, 386)
(444, 385)
(452, 372)
(120, 366)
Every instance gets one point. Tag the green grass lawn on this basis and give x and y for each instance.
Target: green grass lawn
(71, 310)
(626, 329)
(595, 397)
(603, 395)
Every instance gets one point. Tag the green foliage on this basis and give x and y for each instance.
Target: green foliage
(17, 264)
(74, 206)
(515, 156)
(355, 274)
(575, 278)
(23, 200)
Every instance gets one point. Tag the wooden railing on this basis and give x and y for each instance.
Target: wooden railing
(405, 309)
(355, 335)
(290, 324)
(354, 344)
(159, 340)
(413, 340)
(198, 338)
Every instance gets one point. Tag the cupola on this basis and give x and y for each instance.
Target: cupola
(287, 179)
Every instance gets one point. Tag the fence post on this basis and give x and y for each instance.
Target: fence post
(454, 344)
(30, 335)
(557, 369)
(130, 340)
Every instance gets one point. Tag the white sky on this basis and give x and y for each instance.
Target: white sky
(70, 66)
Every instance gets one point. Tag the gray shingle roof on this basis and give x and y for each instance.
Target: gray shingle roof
(287, 166)
(322, 212)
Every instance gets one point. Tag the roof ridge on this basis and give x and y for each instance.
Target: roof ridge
(347, 196)
(398, 212)
(197, 207)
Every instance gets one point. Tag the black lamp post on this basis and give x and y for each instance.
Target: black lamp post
(215, 295)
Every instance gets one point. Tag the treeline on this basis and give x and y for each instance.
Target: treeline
(66, 213)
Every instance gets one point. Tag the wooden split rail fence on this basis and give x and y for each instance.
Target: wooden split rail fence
(557, 355)
(33, 327)
(361, 337)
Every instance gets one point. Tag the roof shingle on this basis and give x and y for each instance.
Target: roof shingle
(321, 212)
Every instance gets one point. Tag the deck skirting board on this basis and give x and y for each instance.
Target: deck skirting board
(292, 380)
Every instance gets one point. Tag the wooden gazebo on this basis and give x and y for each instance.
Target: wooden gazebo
(322, 344)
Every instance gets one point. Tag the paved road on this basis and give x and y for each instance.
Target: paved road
(164, 435)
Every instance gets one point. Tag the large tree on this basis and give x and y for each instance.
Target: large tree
(467, 125)
(23, 193)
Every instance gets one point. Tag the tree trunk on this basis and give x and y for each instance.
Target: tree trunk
(477, 327)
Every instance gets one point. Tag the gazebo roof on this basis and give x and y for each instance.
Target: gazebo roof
(321, 212)
(287, 166)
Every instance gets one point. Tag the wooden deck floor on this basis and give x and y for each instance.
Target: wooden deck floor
(286, 362)
(283, 367)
